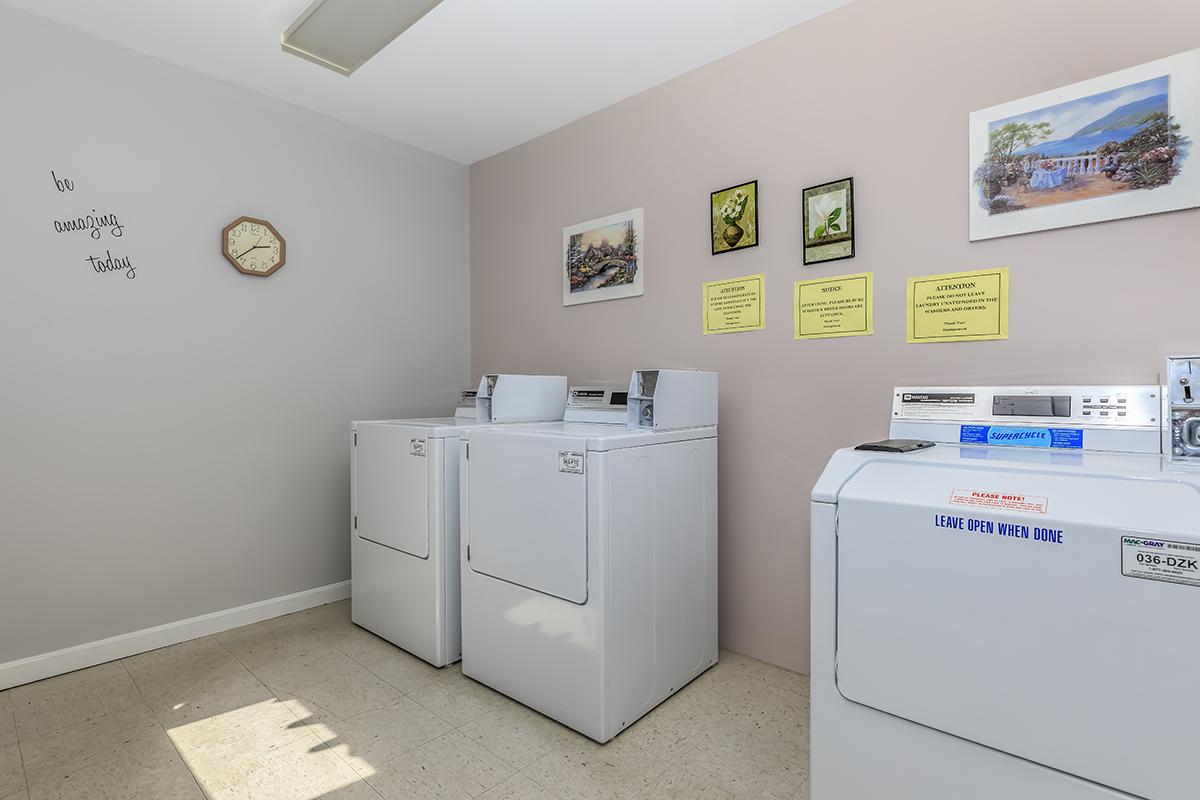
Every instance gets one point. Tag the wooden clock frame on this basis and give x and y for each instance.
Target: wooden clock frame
(229, 256)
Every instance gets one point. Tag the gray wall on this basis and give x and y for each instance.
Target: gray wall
(177, 443)
(879, 90)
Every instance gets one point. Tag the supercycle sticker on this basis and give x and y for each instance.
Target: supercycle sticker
(1013, 436)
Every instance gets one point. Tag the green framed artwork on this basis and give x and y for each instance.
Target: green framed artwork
(829, 222)
(735, 218)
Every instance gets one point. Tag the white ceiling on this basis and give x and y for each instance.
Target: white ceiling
(471, 79)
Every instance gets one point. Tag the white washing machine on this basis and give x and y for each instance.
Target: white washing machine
(404, 512)
(1012, 612)
(589, 570)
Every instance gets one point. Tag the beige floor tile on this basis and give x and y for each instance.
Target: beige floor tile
(805, 792)
(405, 672)
(145, 768)
(211, 744)
(458, 699)
(371, 739)
(675, 784)
(339, 697)
(748, 769)
(331, 614)
(588, 771)
(21, 795)
(674, 727)
(200, 695)
(275, 637)
(518, 787)
(291, 673)
(72, 680)
(361, 645)
(170, 675)
(12, 777)
(451, 767)
(42, 714)
(518, 735)
(8, 723)
(185, 655)
(302, 770)
(87, 743)
(745, 668)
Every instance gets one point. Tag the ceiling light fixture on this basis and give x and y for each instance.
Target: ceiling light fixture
(342, 35)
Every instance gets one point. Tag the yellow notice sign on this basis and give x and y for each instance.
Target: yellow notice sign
(838, 306)
(958, 307)
(734, 305)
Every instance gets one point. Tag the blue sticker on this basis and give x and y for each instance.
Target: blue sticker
(1012, 436)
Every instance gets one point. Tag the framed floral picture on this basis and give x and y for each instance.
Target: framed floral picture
(735, 218)
(603, 258)
(829, 222)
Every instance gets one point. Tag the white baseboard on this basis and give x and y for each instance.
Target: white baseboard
(35, 668)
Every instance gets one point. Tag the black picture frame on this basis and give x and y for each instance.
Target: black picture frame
(851, 232)
(712, 199)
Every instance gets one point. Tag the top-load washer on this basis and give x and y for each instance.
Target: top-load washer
(1010, 613)
(589, 570)
(404, 512)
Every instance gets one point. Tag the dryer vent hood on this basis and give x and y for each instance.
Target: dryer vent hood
(344, 34)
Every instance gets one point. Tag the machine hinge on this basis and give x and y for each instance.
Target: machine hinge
(355, 522)
(468, 552)
(468, 451)
(356, 440)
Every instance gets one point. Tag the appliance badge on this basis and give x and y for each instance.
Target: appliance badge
(570, 461)
(416, 447)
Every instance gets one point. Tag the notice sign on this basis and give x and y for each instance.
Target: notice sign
(839, 306)
(734, 305)
(973, 498)
(958, 307)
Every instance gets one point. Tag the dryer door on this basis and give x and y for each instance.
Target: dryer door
(528, 511)
(391, 487)
(1023, 629)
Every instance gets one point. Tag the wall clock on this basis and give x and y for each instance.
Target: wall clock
(253, 246)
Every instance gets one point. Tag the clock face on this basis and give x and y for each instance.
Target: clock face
(253, 246)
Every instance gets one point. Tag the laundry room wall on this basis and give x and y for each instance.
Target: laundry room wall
(176, 441)
(879, 90)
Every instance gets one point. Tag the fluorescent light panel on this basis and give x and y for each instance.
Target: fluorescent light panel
(344, 34)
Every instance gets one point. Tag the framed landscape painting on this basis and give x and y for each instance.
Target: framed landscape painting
(829, 222)
(734, 218)
(1108, 148)
(603, 258)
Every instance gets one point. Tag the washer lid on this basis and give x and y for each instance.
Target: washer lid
(1046, 613)
(599, 437)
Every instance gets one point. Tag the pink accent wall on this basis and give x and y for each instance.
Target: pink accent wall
(878, 90)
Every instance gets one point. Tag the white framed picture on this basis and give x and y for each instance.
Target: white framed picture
(1112, 147)
(603, 259)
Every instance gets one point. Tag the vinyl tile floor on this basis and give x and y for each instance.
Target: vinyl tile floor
(311, 707)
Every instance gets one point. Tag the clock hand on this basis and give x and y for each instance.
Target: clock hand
(256, 247)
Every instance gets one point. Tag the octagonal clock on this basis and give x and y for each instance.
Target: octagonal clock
(253, 246)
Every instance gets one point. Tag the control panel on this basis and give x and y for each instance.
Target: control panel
(1118, 406)
(1182, 432)
(1059, 418)
(597, 404)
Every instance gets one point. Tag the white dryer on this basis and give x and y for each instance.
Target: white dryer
(404, 547)
(589, 580)
(1012, 612)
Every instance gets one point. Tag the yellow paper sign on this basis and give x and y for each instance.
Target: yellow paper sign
(958, 307)
(838, 306)
(734, 305)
